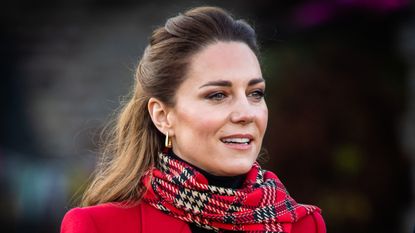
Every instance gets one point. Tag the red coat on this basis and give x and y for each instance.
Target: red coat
(143, 218)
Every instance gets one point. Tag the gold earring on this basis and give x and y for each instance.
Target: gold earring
(167, 142)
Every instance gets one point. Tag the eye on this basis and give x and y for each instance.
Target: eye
(216, 96)
(257, 94)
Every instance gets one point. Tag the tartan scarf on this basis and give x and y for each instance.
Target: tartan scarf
(262, 204)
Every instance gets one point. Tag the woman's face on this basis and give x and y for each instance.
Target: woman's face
(220, 115)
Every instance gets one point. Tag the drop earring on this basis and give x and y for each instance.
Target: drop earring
(167, 142)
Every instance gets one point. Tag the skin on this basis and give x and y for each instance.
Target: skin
(220, 99)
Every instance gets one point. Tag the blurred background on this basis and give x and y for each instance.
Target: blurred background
(341, 96)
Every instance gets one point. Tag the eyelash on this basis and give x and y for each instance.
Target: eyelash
(258, 94)
(218, 96)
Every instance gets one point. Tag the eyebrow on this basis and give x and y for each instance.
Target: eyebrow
(225, 83)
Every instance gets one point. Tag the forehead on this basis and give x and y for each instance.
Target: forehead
(224, 60)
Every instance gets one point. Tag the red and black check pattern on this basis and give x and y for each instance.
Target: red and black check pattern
(261, 205)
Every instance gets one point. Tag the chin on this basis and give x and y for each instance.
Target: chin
(236, 169)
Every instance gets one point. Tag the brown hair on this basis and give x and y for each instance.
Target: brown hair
(134, 141)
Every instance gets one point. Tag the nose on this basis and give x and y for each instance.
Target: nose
(242, 112)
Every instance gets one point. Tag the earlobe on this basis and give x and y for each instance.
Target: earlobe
(159, 113)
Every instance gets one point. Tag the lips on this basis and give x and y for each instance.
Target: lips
(244, 139)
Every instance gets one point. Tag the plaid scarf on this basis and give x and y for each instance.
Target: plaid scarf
(261, 205)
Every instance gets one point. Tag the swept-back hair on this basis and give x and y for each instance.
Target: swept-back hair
(133, 141)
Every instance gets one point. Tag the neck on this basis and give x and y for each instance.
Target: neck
(233, 182)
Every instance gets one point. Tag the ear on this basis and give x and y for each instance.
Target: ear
(159, 114)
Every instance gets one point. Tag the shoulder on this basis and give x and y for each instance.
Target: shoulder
(117, 217)
(77, 220)
(312, 223)
(100, 218)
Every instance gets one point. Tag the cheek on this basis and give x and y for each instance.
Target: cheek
(263, 119)
(197, 124)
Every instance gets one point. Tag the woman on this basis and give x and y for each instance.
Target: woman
(183, 153)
